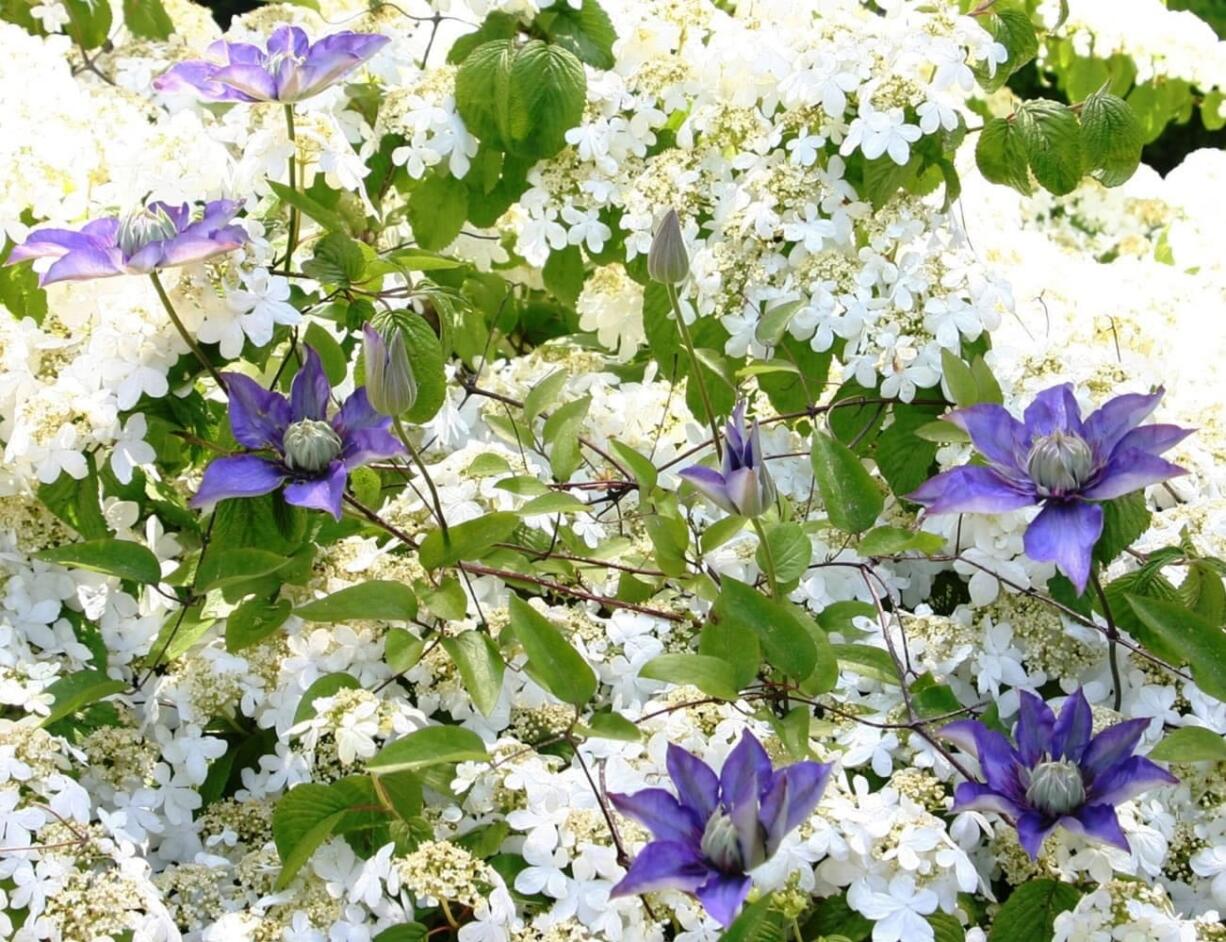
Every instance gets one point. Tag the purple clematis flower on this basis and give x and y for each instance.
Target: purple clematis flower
(313, 454)
(718, 827)
(1057, 774)
(1055, 459)
(744, 486)
(157, 236)
(290, 68)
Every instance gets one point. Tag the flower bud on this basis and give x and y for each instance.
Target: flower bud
(150, 224)
(390, 385)
(667, 261)
(1059, 463)
(1056, 788)
(310, 445)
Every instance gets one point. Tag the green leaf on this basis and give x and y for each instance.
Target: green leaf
(423, 748)
(868, 661)
(255, 620)
(774, 323)
(852, 500)
(564, 274)
(427, 359)
(1031, 910)
(377, 600)
(1012, 28)
(481, 667)
(587, 32)
(405, 932)
(1190, 744)
(121, 558)
(945, 928)
(402, 650)
(891, 541)
(521, 99)
(20, 293)
(338, 260)
(712, 675)
(942, 433)
(790, 549)
(637, 464)
(904, 459)
(958, 377)
(437, 208)
(1000, 154)
(553, 502)
(329, 219)
(497, 25)
(757, 922)
(1052, 137)
(553, 663)
(74, 691)
(562, 432)
(147, 19)
(1125, 519)
(1110, 138)
(1199, 643)
(302, 820)
(469, 540)
(331, 355)
(612, 726)
(786, 643)
(324, 686)
(543, 395)
(735, 644)
(219, 569)
(89, 22)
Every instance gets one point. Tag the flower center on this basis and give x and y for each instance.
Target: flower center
(1059, 463)
(1056, 788)
(145, 226)
(310, 445)
(720, 843)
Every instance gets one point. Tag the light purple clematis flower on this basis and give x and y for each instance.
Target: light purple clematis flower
(312, 454)
(1057, 775)
(1055, 459)
(290, 68)
(157, 236)
(718, 827)
(743, 485)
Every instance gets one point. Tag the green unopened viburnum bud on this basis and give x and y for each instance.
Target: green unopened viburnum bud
(667, 261)
(390, 385)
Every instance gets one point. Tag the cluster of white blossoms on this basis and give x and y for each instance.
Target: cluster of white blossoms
(154, 821)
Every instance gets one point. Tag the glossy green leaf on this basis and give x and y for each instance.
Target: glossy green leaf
(121, 558)
(552, 661)
(712, 675)
(423, 748)
(376, 600)
(480, 665)
(853, 501)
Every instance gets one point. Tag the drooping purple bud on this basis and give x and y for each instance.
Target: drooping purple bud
(667, 260)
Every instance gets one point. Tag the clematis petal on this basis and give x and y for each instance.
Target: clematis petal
(664, 865)
(1073, 728)
(723, 895)
(82, 265)
(1054, 410)
(806, 782)
(357, 413)
(1128, 779)
(322, 493)
(334, 57)
(1032, 830)
(711, 484)
(1112, 746)
(1098, 822)
(288, 41)
(253, 81)
(1130, 469)
(237, 476)
(972, 489)
(746, 763)
(258, 416)
(1033, 730)
(1065, 533)
(997, 759)
(309, 393)
(54, 242)
(995, 433)
(369, 444)
(185, 251)
(1116, 418)
(695, 781)
(741, 486)
(662, 814)
(197, 77)
(1154, 438)
(976, 796)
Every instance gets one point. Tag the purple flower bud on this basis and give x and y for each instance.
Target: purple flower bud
(389, 375)
(743, 485)
(667, 261)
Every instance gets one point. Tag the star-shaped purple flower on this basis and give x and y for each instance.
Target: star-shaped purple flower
(1055, 459)
(157, 236)
(718, 827)
(1057, 775)
(312, 454)
(290, 68)
(743, 485)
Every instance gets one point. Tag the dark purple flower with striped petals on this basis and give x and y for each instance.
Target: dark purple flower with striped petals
(743, 485)
(1056, 459)
(304, 450)
(157, 236)
(1056, 773)
(717, 827)
(290, 68)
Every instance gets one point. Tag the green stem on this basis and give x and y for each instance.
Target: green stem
(684, 330)
(187, 338)
(421, 466)
(765, 545)
(796, 930)
(293, 185)
(1113, 634)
